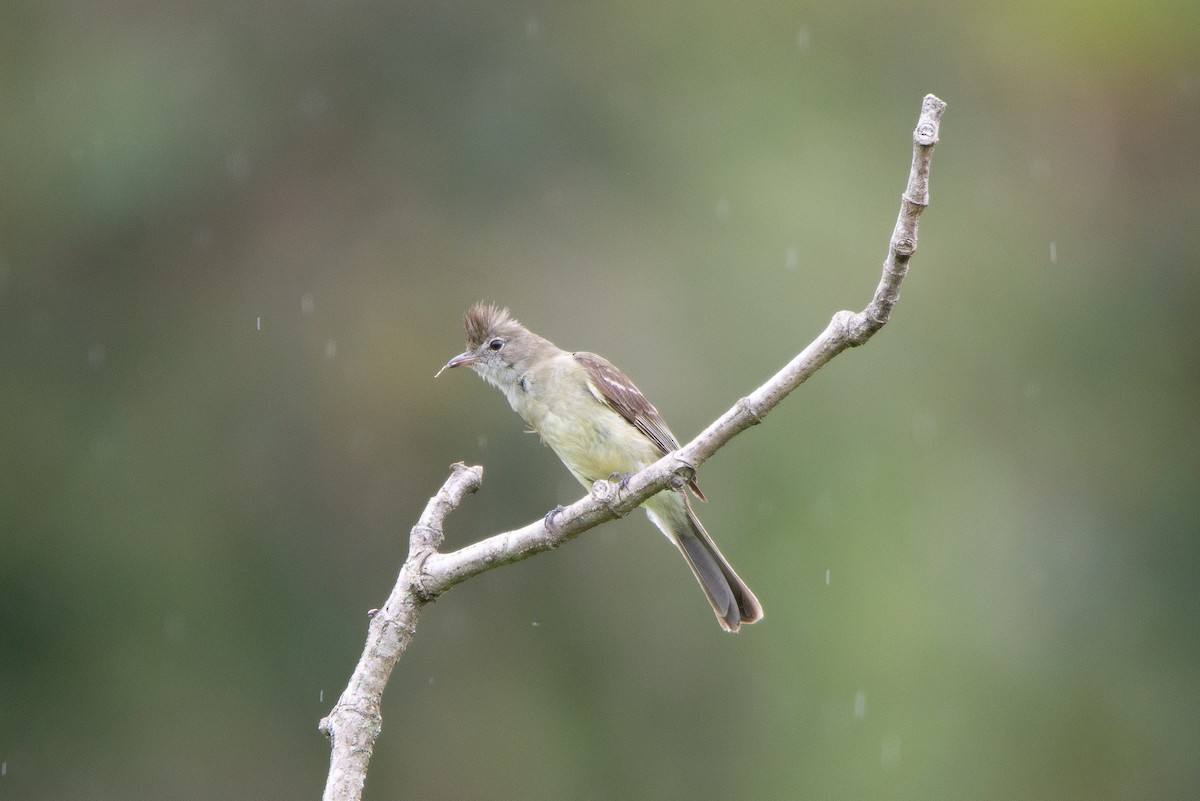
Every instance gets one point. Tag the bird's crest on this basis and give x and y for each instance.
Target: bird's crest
(484, 321)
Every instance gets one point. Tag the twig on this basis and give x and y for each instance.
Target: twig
(355, 721)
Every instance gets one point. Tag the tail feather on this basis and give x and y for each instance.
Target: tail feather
(732, 601)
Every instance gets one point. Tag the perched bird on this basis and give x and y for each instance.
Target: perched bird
(599, 424)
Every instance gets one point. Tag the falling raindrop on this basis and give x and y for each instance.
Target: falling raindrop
(889, 751)
(95, 356)
(860, 705)
(1039, 169)
(237, 164)
(792, 258)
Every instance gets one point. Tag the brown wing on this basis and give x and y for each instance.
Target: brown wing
(615, 388)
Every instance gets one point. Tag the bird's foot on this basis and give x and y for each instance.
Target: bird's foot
(621, 480)
(552, 518)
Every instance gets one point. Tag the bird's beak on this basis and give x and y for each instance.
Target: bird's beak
(458, 361)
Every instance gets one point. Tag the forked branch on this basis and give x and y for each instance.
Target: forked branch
(355, 721)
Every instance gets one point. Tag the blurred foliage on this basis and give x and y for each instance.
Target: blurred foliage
(235, 244)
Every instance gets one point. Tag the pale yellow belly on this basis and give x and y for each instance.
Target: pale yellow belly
(596, 442)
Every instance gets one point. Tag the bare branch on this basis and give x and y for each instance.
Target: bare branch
(355, 721)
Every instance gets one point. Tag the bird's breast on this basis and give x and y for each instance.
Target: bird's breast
(591, 439)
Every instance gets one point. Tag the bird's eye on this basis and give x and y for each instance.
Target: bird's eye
(496, 344)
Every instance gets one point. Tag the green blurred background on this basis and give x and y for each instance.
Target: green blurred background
(236, 242)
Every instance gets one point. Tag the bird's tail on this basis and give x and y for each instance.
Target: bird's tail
(732, 601)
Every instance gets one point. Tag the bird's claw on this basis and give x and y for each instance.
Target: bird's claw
(552, 526)
(621, 480)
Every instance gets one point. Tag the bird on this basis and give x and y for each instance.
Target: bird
(600, 426)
